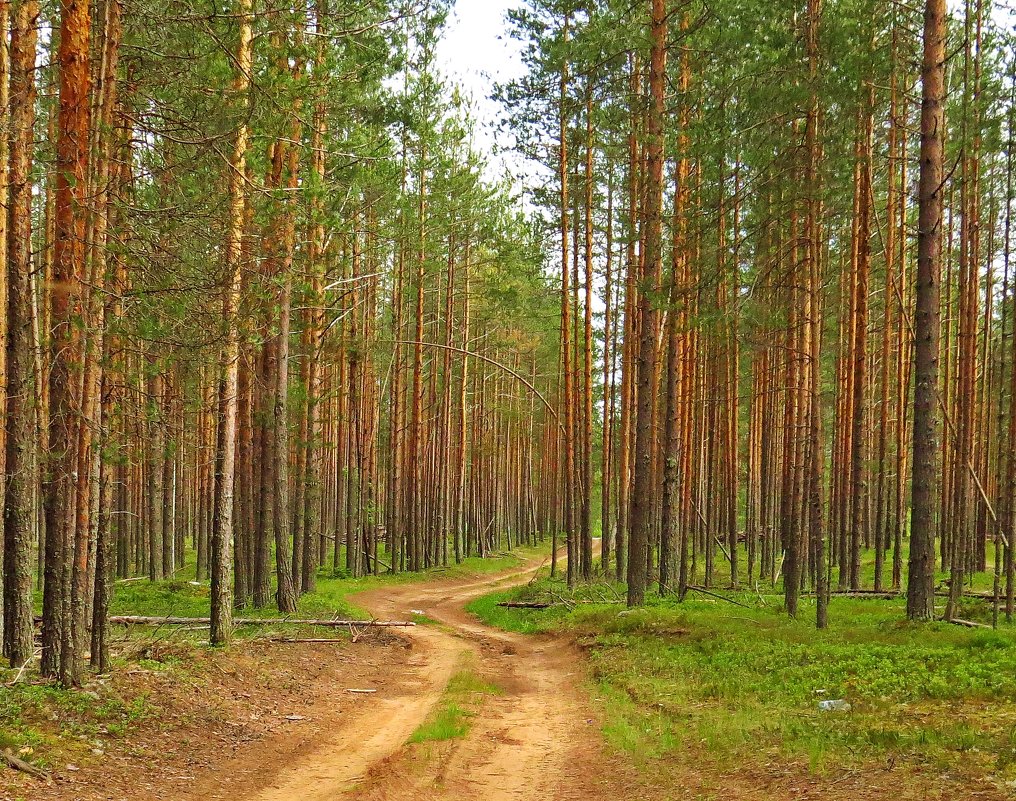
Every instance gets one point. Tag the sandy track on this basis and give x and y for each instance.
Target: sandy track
(535, 740)
(231, 730)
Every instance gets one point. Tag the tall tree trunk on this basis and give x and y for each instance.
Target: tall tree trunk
(566, 327)
(67, 304)
(19, 507)
(642, 491)
(920, 581)
(225, 456)
(587, 376)
(285, 596)
(110, 139)
(816, 455)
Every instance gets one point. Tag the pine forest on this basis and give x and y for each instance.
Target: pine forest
(523, 399)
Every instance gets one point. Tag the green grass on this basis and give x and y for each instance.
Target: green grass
(449, 723)
(460, 702)
(38, 721)
(744, 683)
(523, 621)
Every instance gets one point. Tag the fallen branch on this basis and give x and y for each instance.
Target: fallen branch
(145, 620)
(970, 624)
(981, 595)
(25, 767)
(704, 591)
(301, 639)
(564, 601)
(21, 670)
(878, 595)
(525, 605)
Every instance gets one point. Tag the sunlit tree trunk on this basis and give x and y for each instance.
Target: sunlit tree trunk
(225, 457)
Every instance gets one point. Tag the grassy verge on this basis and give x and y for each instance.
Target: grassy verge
(461, 700)
(73, 722)
(728, 682)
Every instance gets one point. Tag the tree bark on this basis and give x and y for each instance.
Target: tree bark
(19, 506)
(225, 458)
(920, 581)
(642, 491)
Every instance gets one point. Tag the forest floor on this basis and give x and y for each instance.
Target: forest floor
(719, 696)
(579, 701)
(457, 710)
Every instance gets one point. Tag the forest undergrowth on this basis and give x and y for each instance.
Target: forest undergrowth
(734, 681)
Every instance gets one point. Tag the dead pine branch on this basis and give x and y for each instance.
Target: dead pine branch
(970, 624)
(326, 640)
(21, 670)
(711, 594)
(16, 763)
(146, 620)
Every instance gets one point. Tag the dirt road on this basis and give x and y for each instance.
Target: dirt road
(276, 722)
(534, 740)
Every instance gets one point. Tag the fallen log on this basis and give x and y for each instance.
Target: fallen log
(525, 604)
(16, 763)
(301, 639)
(711, 594)
(970, 624)
(145, 620)
(878, 595)
(979, 594)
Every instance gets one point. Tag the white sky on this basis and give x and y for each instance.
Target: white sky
(475, 52)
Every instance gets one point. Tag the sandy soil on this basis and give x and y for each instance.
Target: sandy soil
(274, 722)
(534, 740)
